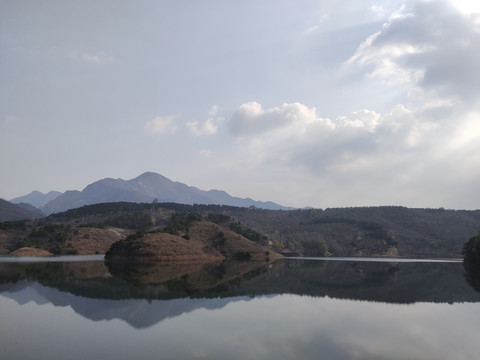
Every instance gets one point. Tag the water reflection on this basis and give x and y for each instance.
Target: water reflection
(288, 309)
(472, 274)
(373, 281)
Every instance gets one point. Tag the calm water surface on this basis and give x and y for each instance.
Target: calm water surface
(291, 309)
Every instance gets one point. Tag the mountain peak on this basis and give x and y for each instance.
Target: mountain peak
(145, 188)
(36, 198)
(149, 175)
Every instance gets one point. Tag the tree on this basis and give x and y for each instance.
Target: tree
(315, 246)
(471, 262)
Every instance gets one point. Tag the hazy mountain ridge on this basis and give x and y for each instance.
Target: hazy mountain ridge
(146, 188)
(13, 212)
(36, 198)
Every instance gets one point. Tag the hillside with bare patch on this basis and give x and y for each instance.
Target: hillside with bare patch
(201, 241)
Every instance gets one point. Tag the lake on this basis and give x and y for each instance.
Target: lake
(289, 309)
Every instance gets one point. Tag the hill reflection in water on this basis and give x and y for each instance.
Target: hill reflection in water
(388, 282)
(286, 309)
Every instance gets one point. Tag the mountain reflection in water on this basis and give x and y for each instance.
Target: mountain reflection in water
(288, 309)
(371, 281)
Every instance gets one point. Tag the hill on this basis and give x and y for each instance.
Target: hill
(36, 198)
(199, 240)
(370, 231)
(13, 212)
(147, 187)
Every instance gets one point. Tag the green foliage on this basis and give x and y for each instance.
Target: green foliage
(180, 222)
(249, 233)
(219, 239)
(113, 208)
(133, 237)
(327, 220)
(278, 246)
(137, 220)
(315, 246)
(218, 218)
(13, 225)
(51, 237)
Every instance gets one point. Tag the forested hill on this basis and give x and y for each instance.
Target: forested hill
(366, 231)
(360, 231)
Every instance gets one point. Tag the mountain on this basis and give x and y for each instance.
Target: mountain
(146, 188)
(12, 212)
(36, 198)
(29, 207)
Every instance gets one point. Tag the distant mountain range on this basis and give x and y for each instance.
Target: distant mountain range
(13, 212)
(36, 198)
(147, 187)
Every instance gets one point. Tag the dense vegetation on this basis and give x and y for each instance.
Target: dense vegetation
(471, 261)
(51, 237)
(368, 231)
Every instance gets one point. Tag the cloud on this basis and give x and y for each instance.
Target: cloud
(207, 127)
(205, 152)
(361, 119)
(314, 28)
(380, 11)
(160, 125)
(430, 46)
(251, 119)
(400, 156)
(98, 58)
(214, 110)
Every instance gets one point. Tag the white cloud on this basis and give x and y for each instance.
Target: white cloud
(100, 58)
(312, 29)
(467, 6)
(380, 11)
(251, 119)
(97, 58)
(205, 152)
(362, 119)
(430, 46)
(398, 157)
(207, 127)
(160, 125)
(214, 110)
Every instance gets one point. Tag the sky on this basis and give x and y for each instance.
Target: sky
(305, 103)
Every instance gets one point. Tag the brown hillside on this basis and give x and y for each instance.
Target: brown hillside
(206, 241)
(27, 251)
(87, 241)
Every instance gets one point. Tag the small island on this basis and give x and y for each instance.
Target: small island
(189, 238)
